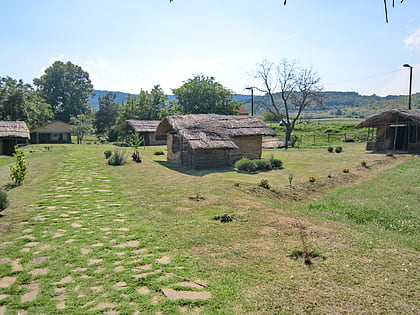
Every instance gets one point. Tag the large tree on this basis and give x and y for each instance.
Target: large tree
(147, 105)
(66, 88)
(107, 114)
(18, 101)
(290, 89)
(203, 95)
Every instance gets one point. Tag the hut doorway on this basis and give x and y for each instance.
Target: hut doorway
(399, 137)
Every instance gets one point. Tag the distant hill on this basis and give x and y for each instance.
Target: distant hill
(335, 103)
(121, 96)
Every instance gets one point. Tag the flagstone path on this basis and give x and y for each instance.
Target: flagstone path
(82, 249)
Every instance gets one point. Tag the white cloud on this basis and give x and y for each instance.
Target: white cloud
(412, 42)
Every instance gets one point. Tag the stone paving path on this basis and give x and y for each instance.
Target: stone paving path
(81, 248)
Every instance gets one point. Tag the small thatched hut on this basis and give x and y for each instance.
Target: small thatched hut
(11, 134)
(147, 128)
(52, 132)
(210, 140)
(396, 130)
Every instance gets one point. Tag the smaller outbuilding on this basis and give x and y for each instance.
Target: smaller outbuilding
(146, 128)
(396, 130)
(11, 134)
(53, 132)
(210, 140)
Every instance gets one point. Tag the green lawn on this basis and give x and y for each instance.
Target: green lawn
(82, 237)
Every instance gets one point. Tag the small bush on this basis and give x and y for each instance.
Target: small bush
(275, 163)
(159, 152)
(330, 149)
(338, 149)
(107, 154)
(346, 170)
(4, 201)
(312, 179)
(117, 158)
(264, 184)
(224, 218)
(245, 164)
(363, 163)
(19, 170)
(263, 164)
(390, 154)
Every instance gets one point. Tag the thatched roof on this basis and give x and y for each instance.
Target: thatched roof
(55, 126)
(13, 129)
(393, 115)
(140, 125)
(211, 131)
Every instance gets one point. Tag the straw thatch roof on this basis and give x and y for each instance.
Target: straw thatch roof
(13, 129)
(211, 131)
(140, 125)
(392, 115)
(55, 126)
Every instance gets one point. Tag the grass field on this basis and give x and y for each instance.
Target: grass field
(83, 237)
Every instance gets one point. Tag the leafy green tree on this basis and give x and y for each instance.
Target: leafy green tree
(203, 95)
(19, 170)
(82, 125)
(106, 116)
(18, 101)
(66, 87)
(151, 105)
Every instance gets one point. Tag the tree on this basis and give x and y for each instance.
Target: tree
(203, 95)
(82, 125)
(290, 88)
(65, 87)
(18, 101)
(151, 105)
(106, 116)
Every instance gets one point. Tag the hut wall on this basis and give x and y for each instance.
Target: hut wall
(209, 158)
(249, 147)
(174, 146)
(156, 140)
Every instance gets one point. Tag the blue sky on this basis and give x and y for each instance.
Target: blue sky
(129, 45)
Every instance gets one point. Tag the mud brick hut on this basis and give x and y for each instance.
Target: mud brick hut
(52, 132)
(11, 134)
(147, 128)
(397, 130)
(210, 140)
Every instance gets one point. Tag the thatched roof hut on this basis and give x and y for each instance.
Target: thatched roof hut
(147, 128)
(53, 132)
(396, 130)
(210, 140)
(12, 133)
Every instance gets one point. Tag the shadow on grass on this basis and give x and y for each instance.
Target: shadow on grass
(194, 172)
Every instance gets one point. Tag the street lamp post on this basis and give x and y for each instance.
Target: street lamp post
(411, 82)
(252, 99)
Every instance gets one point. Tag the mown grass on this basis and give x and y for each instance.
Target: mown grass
(246, 263)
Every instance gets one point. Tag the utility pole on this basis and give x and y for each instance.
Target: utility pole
(411, 83)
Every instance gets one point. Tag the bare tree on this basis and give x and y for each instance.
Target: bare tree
(289, 88)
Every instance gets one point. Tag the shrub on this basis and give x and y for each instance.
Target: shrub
(275, 163)
(263, 164)
(224, 218)
(117, 158)
(159, 152)
(264, 184)
(245, 164)
(4, 201)
(108, 154)
(338, 149)
(346, 170)
(363, 163)
(19, 170)
(390, 154)
(312, 179)
(330, 149)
